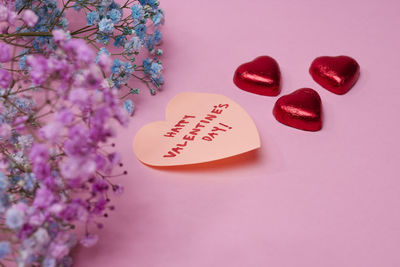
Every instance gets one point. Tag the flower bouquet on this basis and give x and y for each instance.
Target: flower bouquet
(63, 91)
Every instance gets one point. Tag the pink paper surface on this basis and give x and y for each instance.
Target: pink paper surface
(323, 199)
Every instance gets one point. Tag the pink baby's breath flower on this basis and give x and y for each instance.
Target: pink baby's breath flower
(59, 36)
(19, 123)
(5, 131)
(4, 53)
(58, 250)
(3, 12)
(39, 68)
(52, 131)
(80, 50)
(89, 240)
(37, 219)
(12, 17)
(29, 17)
(44, 198)
(79, 96)
(104, 61)
(5, 78)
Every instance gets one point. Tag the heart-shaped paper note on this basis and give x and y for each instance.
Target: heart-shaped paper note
(336, 74)
(261, 76)
(199, 128)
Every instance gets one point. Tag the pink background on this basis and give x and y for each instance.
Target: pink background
(330, 198)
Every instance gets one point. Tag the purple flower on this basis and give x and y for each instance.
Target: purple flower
(5, 78)
(41, 236)
(94, 76)
(5, 131)
(19, 122)
(100, 206)
(42, 170)
(77, 143)
(89, 240)
(75, 211)
(29, 17)
(80, 50)
(121, 116)
(59, 36)
(44, 198)
(114, 158)
(77, 168)
(65, 116)
(80, 97)
(37, 219)
(118, 189)
(52, 131)
(58, 250)
(100, 186)
(39, 157)
(57, 167)
(3, 12)
(104, 61)
(12, 17)
(39, 153)
(5, 55)
(38, 64)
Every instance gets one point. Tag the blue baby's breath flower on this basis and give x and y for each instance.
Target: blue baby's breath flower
(3, 182)
(102, 38)
(152, 3)
(114, 5)
(159, 80)
(159, 52)
(64, 23)
(50, 3)
(147, 65)
(49, 262)
(92, 18)
(5, 249)
(4, 202)
(115, 66)
(137, 12)
(157, 37)
(150, 43)
(135, 44)
(23, 103)
(121, 71)
(22, 62)
(30, 181)
(141, 30)
(19, 4)
(115, 15)
(129, 107)
(158, 18)
(14, 218)
(155, 69)
(120, 41)
(106, 25)
(103, 50)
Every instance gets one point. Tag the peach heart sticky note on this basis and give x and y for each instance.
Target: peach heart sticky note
(199, 127)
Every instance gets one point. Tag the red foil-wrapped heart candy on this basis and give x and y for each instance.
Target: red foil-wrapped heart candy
(301, 109)
(336, 74)
(260, 76)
